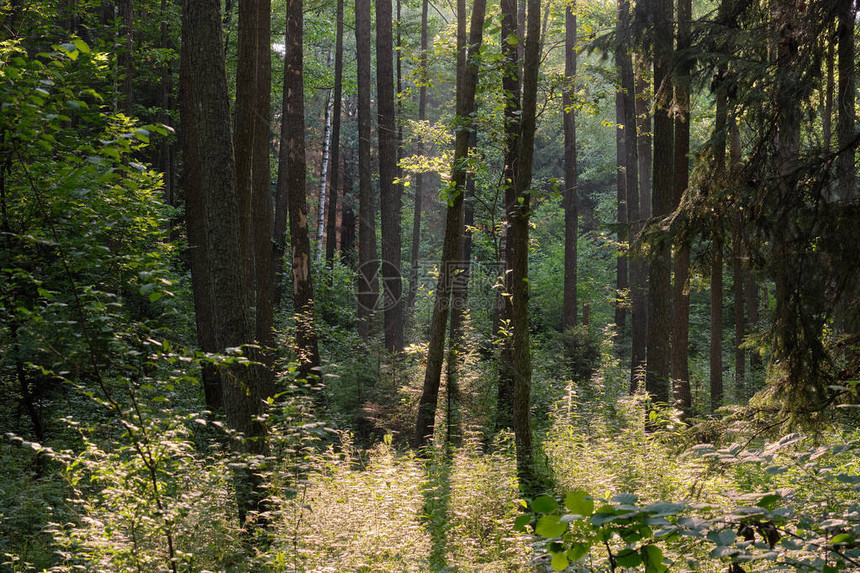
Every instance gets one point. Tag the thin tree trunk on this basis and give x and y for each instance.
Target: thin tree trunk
(419, 177)
(125, 57)
(716, 325)
(321, 211)
(368, 266)
(681, 288)
(571, 202)
(621, 276)
(739, 271)
(331, 226)
(631, 167)
(639, 267)
(389, 192)
(452, 246)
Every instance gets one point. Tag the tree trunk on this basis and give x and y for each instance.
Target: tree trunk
(331, 225)
(621, 275)
(125, 56)
(368, 266)
(739, 272)
(467, 77)
(636, 266)
(324, 180)
(659, 286)
(419, 177)
(521, 350)
(389, 192)
(639, 267)
(213, 207)
(511, 88)
(681, 288)
(845, 164)
(716, 325)
(571, 202)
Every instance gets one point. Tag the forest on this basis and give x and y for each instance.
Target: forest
(407, 285)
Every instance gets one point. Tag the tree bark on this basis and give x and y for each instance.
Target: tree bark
(681, 287)
(368, 266)
(452, 246)
(636, 266)
(324, 171)
(419, 177)
(213, 209)
(659, 286)
(621, 271)
(125, 56)
(846, 171)
(571, 201)
(521, 350)
(511, 42)
(389, 192)
(331, 225)
(639, 268)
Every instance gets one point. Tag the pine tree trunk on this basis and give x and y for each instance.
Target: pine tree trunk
(419, 177)
(739, 272)
(368, 265)
(624, 63)
(521, 351)
(307, 350)
(208, 153)
(571, 201)
(511, 87)
(659, 285)
(639, 265)
(331, 224)
(621, 275)
(389, 192)
(681, 287)
(846, 171)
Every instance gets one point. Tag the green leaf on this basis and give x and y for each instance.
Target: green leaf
(578, 551)
(154, 296)
(846, 538)
(544, 504)
(521, 521)
(628, 558)
(559, 561)
(550, 526)
(768, 501)
(580, 503)
(653, 558)
(81, 46)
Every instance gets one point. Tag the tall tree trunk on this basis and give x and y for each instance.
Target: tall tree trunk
(521, 350)
(166, 156)
(846, 171)
(389, 192)
(624, 63)
(253, 178)
(213, 206)
(419, 177)
(659, 285)
(639, 268)
(331, 225)
(459, 296)
(347, 223)
(467, 81)
(621, 275)
(739, 270)
(368, 266)
(125, 57)
(324, 171)
(716, 325)
(571, 202)
(511, 42)
(681, 288)
(294, 117)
